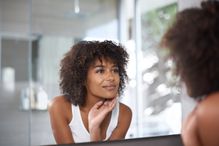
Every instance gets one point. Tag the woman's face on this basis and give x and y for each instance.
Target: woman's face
(103, 79)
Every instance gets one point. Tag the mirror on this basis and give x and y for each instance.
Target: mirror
(36, 33)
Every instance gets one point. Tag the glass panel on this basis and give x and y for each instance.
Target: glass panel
(56, 26)
(14, 75)
(160, 94)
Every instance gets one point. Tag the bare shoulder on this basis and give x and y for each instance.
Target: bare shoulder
(58, 102)
(207, 115)
(125, 110)
(59, 109)
(209, 106)
(124, 121)
(60, 106)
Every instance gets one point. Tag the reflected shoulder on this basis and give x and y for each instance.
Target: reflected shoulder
(58, 101)
(60, 106)
(126, 110)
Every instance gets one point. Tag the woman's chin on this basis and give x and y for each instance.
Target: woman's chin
(110, 97)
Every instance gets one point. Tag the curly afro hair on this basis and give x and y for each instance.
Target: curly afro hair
(75, 64)
(193, 43)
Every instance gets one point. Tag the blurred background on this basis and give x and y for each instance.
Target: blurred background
(35, 34)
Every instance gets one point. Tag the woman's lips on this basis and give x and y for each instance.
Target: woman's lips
(110, 87)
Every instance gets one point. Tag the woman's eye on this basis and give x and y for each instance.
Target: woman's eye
(99, 71)
(116, 70)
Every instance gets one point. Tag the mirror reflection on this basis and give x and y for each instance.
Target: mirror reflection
(35, 34)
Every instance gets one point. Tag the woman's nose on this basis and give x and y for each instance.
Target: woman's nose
(110, 75)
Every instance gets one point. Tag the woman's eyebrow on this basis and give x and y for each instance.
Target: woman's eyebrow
(101, 65)
(98, 65)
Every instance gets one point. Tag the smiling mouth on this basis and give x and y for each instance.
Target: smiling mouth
(111, 87)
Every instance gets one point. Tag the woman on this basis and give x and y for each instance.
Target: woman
(93, 75)
(193, 42)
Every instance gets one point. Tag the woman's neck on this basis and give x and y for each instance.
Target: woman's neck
(90, 102)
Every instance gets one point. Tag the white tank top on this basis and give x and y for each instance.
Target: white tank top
(80, 133)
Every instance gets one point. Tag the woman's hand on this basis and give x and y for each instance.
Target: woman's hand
(96, 116)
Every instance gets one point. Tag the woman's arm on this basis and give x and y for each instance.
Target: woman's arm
(60, 116)
(125, 117)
